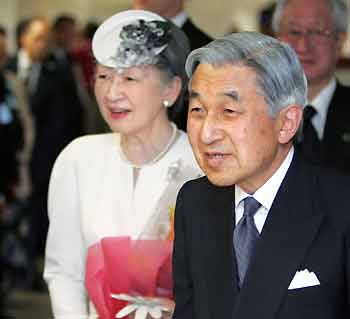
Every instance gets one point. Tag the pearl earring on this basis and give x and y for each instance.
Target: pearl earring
(166, 103)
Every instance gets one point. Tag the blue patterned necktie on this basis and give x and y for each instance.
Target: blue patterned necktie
(245, 237)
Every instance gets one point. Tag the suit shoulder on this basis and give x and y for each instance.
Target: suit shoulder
(342, 88)
(334, 190)
(190, 26)
(197, 37)
(340, 96)
(334, 182)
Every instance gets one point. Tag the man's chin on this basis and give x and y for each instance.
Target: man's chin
(220, 181)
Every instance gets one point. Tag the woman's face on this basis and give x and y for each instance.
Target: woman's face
(132, 101)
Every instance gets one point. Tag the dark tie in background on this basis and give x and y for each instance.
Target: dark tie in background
(310, 144)
(245, 237)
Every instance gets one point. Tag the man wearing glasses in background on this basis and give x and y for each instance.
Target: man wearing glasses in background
(316, 29)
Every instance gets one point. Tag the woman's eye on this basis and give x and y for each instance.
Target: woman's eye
(102, 76)
(129, 77)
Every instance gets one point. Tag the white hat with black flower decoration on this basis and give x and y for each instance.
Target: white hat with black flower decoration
(131, 38)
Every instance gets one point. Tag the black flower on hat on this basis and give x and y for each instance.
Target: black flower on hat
(141, 42)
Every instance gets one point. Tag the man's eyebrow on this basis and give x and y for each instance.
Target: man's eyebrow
(193, 94)
(232, 94)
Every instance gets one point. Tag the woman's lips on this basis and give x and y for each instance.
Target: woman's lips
(118, 114)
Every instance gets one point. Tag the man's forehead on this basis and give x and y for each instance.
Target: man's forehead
(313, 10)
(220, 74)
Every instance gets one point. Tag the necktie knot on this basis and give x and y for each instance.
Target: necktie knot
(251, 205)
(309, 113)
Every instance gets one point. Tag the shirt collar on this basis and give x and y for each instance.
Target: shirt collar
(180, 19)
(24, 64)
(321, 104)
(265, 195)
(24, 60)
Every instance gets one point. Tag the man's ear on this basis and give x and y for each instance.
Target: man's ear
(289, 119)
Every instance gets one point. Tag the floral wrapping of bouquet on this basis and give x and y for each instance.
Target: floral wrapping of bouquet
(125, 276)
(133, 277)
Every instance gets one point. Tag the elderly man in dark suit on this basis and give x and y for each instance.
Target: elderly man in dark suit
(316, 30)
(265, 234)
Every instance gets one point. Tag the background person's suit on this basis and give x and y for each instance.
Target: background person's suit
(58, 119)
(57, 113)
(307, 228)
(196, 36)
(335, 145)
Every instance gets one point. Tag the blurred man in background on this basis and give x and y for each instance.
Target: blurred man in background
(316, 29)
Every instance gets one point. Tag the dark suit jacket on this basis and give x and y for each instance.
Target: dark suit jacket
(12, 140)
(58, 119)
(307, 228)
(196, 36)
(336, 140)
(58, 116)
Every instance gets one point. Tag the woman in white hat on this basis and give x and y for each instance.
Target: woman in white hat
(111, 192)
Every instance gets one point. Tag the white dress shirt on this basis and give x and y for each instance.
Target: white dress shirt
(265, 195)
(321, 104)
(28, 71)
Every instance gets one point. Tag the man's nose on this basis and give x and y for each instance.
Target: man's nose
(302, 43)
(211, 130)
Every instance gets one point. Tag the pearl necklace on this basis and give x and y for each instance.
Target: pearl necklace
(159, 155)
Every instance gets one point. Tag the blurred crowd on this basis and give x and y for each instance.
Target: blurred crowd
(46, 100)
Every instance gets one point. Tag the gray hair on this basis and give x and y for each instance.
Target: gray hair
(280, 77)
(337, 7)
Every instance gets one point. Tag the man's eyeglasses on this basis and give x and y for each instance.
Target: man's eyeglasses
(313, 35)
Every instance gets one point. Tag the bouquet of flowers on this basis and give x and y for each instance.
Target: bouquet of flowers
(126, 276)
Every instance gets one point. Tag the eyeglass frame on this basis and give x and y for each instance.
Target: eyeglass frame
(313, 35)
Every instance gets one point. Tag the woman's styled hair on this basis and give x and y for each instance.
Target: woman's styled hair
(280, 77)
(172, 63)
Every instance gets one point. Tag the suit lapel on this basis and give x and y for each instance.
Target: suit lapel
(291, 225)
(218, 252)
(335, 113)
